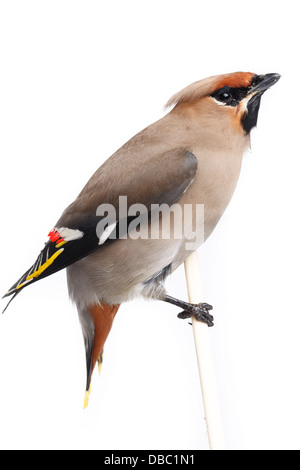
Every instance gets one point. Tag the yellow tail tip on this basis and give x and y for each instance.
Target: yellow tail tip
(86, 398)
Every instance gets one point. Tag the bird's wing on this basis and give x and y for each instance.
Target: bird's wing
(160, 179)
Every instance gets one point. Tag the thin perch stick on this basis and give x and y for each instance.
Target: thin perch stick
(204, 358)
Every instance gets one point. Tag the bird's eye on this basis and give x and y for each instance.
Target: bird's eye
(229, 96)
(224, 96)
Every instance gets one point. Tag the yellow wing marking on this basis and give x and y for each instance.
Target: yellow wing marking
(41, 269)
(60, 244)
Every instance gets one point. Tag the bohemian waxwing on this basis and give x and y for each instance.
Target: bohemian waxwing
(190, 157)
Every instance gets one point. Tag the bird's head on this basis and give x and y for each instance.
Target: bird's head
(235, 96)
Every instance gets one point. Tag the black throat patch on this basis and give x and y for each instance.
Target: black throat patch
(250, 119)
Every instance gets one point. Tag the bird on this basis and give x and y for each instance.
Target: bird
(191, 157)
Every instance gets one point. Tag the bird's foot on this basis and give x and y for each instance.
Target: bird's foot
(198, 311)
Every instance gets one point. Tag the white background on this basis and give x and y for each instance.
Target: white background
(78, 79)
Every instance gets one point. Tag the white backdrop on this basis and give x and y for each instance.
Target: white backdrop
(78, 79)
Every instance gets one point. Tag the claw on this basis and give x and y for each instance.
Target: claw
(206, 306)
(184, 315)
(200, 312)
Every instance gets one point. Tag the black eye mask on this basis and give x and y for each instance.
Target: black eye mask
(230, 96)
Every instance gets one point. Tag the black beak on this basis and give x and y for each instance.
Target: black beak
(262, 83)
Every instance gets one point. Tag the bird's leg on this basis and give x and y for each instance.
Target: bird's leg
(199, 311)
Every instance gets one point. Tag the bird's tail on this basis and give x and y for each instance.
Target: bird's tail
(96, 322)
